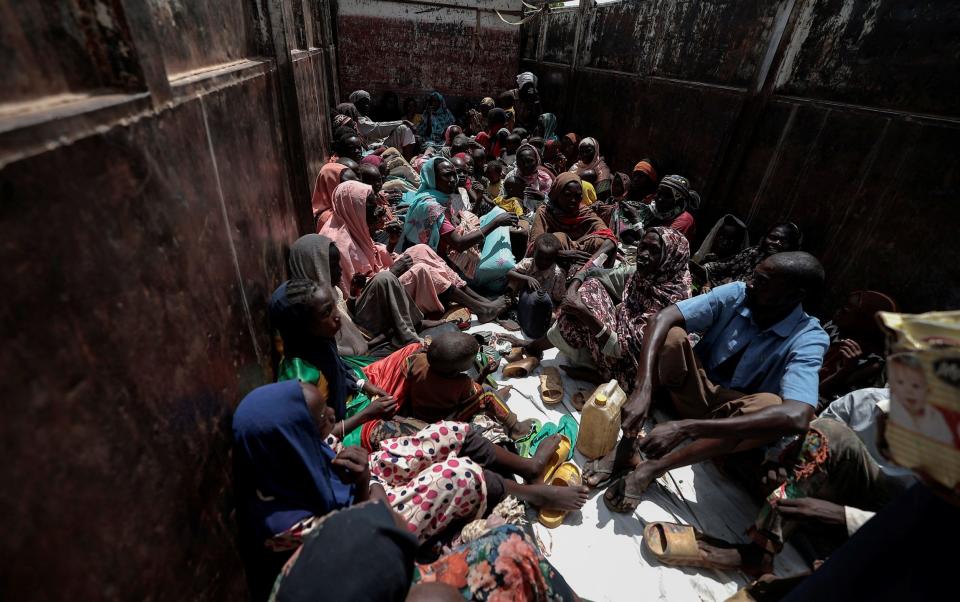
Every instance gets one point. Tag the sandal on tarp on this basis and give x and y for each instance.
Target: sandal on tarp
(676, 545)
(557, 459)
(579, 399)
(566, 475)
(520, 368)
(461, 316)
(551, 385)
(515, 354)
(673, 544)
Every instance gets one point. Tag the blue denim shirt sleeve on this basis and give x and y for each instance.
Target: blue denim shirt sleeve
(801, 379)
(703, 311)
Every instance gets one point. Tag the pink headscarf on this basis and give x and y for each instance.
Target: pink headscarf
(348, 230)
(372, 159)
(540, 180)
(598, 164)
(327, 180)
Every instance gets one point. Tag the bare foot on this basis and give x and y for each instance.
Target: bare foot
(545, 451)
(749, 558)
(554, 497)
(622, 458)
(624, 495)
(521, 429)
(488, 312)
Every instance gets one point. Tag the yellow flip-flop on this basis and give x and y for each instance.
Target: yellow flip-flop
(566, 475)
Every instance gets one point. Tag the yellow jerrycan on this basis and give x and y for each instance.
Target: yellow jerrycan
(600, 421)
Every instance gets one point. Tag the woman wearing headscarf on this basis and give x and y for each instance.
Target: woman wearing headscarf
(420, 272)
(553, 158)
(739, 268)
(368, 542)
(583, 235)
(547, 127)
(329, 177)
(292, 469)
(670, 207)
(607, 315)
(382, 307)
(589, 158)
(568, 149)
(436, 119)
(726, 238)
(537, 177)
(613, 210)
(431, 221)
(643, 182)
(347, 115)
(477, 118)
(526, 101)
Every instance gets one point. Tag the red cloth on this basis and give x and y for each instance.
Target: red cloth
(685, 224)
(390, 373)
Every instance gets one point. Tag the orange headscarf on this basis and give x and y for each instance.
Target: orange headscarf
(327, 180)
(648, 169)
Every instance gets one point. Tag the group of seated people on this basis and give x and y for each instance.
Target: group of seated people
(385, 453)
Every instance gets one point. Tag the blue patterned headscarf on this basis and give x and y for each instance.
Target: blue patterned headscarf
(436, 121)
(427, 209)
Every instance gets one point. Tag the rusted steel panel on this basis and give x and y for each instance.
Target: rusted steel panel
(682, 126)
(874, 194)
(195, 35)
(884, 53)
(309, 71)
(138, 265)
(414, 47)
(714, 41)
(561, 33)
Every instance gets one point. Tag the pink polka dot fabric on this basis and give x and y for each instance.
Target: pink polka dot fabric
(426, 481)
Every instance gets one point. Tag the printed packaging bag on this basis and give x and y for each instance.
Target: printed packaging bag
(923, 371)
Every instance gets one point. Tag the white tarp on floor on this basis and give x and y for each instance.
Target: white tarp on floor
(601, 554)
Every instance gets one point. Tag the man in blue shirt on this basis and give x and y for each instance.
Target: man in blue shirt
(752, 378)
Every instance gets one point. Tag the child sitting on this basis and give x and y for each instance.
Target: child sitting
(541, 286)
(437, 388)
(511, 200)
(493, 173)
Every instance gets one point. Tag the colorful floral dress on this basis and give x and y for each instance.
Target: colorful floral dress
(503, 564)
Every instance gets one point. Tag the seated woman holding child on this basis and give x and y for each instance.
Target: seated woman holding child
(537, 179)
(581, 232)
(602, 320)
(479, 247)
(423, 274)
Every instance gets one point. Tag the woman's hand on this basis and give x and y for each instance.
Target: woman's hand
(381, 406)
(532, 283)
(351, 465)
(505, 219)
